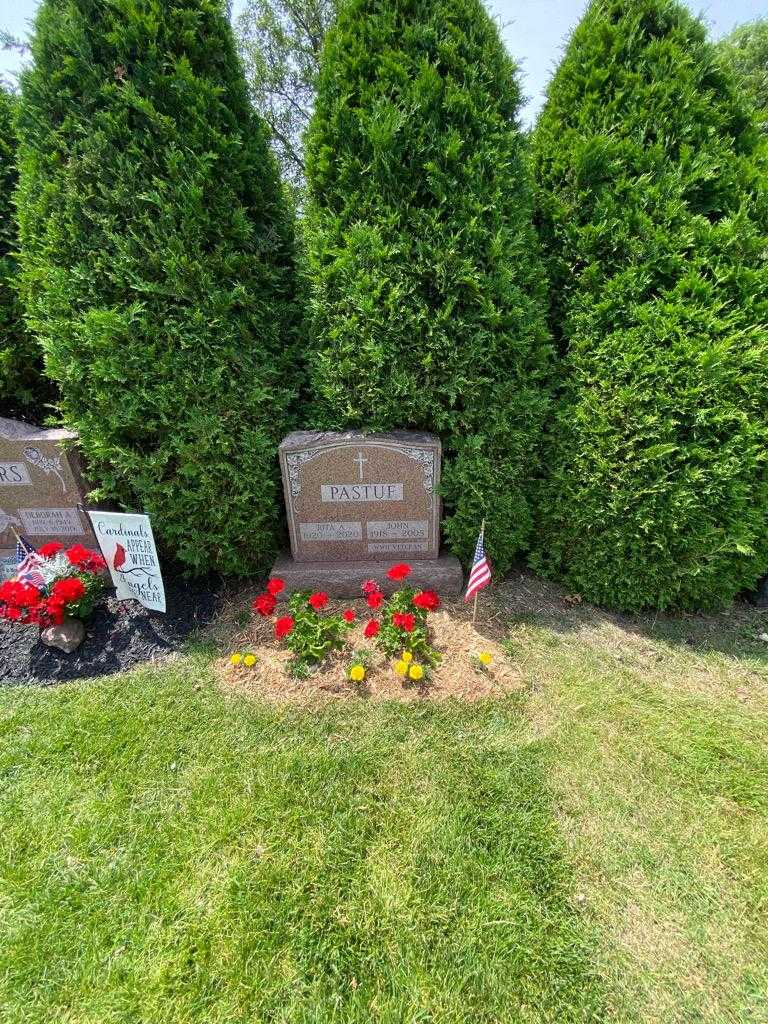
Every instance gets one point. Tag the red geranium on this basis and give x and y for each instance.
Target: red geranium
(77, 554)
(428, 600)
(375, 599)
(67, 590)
(275, 586)
(264, 604)
(371, 629)
(369, 586)
(82, 558)
(283, 626)
(404, 620)
(348, 615)
(50, 549)
(399, 572)
(318, 601)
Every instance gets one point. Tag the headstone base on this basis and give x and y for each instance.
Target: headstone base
(343, 579)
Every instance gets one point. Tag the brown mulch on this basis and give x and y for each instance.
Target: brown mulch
(459, 674)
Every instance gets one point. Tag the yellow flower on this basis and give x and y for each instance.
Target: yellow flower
(401, 667)
(485, 657)
(249, 660)
(236, 659)
(415, 671)
(407, 657)
(357, 673)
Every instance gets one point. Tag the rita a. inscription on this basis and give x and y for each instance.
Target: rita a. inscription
(353, 497)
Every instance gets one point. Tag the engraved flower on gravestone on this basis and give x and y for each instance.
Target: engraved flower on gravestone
(46, 463)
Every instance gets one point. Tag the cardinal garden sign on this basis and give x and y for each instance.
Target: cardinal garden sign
(127, 544)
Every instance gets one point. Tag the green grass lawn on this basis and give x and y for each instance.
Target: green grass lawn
(595, 849)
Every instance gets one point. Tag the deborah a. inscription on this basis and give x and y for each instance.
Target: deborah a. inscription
(355, 497)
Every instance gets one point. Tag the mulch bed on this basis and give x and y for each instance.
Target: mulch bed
(459, 674)
(120, 636)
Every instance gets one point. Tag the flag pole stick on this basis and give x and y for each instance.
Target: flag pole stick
(15, 534)
(474, 607)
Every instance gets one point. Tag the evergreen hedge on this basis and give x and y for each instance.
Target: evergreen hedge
(428, 286)
(23, 389)
(158, 267)
(651, 200)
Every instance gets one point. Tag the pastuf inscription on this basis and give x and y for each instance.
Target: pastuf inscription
(361, 492)
(355, 497)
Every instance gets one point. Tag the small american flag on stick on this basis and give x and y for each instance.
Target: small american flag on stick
(480, 573)
(28, 563)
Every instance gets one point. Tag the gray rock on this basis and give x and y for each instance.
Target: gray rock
(67, 637)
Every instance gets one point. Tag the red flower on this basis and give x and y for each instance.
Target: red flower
(404, 620)
(67, 590)
(399, 571)
(264, 604)
(19, 595)
(283, 626)
(371, 629)
(82, 558)
(50, 549)
(77, 554)
(275, 586)
(369, 586)
(428, 600)
(318, 600)
(348, 615)
(375, 599)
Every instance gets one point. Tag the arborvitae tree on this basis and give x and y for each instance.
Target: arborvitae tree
(746, 51)
(428, 283)
(23, 389)
(651, 198)
(158, 267)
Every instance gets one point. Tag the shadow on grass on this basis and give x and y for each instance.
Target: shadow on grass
(525, 598)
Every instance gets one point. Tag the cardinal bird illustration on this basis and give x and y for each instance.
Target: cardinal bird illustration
(119, 559)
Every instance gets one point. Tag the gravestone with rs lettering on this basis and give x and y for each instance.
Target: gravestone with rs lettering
(41, 487)
(356, 504)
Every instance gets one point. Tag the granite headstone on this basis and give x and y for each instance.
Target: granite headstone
(356, 503)
(41, 487)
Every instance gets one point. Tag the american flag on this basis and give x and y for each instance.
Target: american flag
(480, 573)
(28, 564)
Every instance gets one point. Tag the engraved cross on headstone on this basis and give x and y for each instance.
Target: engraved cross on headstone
(360, 459)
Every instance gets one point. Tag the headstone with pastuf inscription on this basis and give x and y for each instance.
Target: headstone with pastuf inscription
(41, 489)
(357, 503)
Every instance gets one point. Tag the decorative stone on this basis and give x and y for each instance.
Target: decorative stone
(343, 579)
(41, 486)
(354, 497)
(67, 637)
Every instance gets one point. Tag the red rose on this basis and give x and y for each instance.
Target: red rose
(348, 615)
(283, 626)
(67, 590)
(275, 586)
(77, 554)
(369, 586)
(50, 549)
(371, 629)
(399, 571)
(375, 599)
(404, 620)
(428, 600)
(264, 604)
(318, 600)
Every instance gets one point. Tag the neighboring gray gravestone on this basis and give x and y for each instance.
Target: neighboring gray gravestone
(357, 503)
(41, 487)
